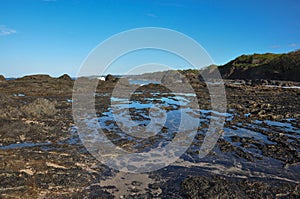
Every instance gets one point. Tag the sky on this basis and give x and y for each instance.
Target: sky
(56, 36)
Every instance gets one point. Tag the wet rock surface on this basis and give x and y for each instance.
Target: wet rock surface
(220, 187)
(42, 156)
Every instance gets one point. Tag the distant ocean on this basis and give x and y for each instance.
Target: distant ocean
(142, 81)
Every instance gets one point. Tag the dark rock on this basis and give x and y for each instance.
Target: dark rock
(248, 82)
(154, 186)
(98, 192)
(264, 66)
(235, 138)
(65, 77)
(110, 78)
(221, 187)
(278, 83)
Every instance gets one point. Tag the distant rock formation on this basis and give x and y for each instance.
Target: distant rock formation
(65, 77)
(110, 78)
(268, 66)
(36, 77)
(3, 81)
(2, 78)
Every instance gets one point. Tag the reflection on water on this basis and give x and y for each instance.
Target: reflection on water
(249, 145)
(246, 141)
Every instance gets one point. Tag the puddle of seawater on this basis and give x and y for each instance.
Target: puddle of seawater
(243, 132)
(23, 145)
(285, 87)
(285, 127)
(248, 129)
(102, 94)
(19, 95)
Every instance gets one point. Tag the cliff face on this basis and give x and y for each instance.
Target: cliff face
(264, 66)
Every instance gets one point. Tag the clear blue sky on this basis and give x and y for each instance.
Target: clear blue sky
(55, 36)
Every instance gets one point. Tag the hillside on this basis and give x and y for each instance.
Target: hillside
(264, 66)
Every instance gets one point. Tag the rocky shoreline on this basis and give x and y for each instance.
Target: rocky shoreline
(258, 154)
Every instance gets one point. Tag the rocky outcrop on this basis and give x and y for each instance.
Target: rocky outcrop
(264, 66)
(41, 107)
(2, 78)
(3, 81)
(38, 84)
(110, 78)
(65, 77)
(36, 77)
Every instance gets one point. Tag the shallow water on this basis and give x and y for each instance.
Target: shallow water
(23, 145)
(172, 106)
(19, 95)
(285, 87)
(142, 82)
(257, 131)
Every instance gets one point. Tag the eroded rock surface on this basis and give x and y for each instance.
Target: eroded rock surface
(42, 155)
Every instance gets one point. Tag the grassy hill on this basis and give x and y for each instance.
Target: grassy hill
(267, 66)
(264, 66)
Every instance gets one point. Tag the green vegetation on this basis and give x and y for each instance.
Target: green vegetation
(254, 60)
(264, 66)
(256, 66)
